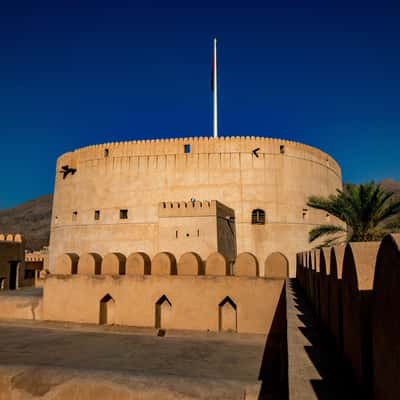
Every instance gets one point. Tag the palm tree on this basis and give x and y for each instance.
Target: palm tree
(367, 210)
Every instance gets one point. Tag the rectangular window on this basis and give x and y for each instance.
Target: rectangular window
(123, 214)
(187, 148)
(96, 215)
(74, 215)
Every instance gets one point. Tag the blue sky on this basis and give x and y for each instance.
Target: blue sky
(82, 72)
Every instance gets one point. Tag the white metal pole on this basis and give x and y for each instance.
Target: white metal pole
(215, 92)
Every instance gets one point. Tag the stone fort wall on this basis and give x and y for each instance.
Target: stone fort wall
(354, 290)
(166, 293)
(136, 176)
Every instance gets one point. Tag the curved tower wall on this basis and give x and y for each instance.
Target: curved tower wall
(138, 175)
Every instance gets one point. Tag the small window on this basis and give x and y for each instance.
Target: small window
(282, 149)
(187, 148)
(123, 214)
(74, 215)
(96, 215)
(258, 217)
(305, 213)
(176, 234)
(106, 152)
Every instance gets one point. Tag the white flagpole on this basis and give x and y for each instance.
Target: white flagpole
(215, 92)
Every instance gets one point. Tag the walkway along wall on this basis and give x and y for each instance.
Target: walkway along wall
(363, 300)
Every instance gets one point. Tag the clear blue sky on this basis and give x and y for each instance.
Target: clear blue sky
(75, 73)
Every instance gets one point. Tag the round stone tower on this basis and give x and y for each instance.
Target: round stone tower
(107, 197)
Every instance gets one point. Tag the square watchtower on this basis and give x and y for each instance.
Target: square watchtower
(200, 226)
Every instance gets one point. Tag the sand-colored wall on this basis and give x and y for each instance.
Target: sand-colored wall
(201, 226)
(20, 307)
(362, 281)
(137, 176)
(194, 301)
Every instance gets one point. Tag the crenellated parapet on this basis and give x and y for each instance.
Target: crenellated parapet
(165, 292)
(166, 264)
(206, 151)
(193, 208)
(11, 237)
(36, 256)
(354, 290)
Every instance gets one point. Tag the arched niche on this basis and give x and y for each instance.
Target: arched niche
(138, 264)
(67, 264)
(276, 266)
(163, 313)
(107, 310)
(190, 264)
(89, 264)
(163, 263)
(246, 264)
(227, 315)
(217, 265)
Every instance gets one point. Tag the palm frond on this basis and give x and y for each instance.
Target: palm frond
(322, 230)
(364, 208)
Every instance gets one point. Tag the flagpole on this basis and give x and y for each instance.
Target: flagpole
(215, 91)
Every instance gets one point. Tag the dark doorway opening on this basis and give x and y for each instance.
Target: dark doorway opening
(13, 275)
(163, 313)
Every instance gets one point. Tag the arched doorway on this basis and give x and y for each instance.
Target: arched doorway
(276, 266)
(227, 315)
(163, 311)
(107, 310)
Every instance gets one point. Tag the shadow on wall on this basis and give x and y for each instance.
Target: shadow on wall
(335, 381)
(273, 371)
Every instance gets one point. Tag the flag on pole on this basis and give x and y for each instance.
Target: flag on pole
(214, 88)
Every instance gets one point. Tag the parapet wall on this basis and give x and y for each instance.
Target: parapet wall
(174, 147)
(354, 291)
(214, 303)
(194, 208)
(165, 263)
(189, 293)
(10, 237)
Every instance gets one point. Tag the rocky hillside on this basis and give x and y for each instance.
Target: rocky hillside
(392, 186)
(32, 219)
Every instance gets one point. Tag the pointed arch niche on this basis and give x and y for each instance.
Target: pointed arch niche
(163, 312)
(107, 310)
(227, 315)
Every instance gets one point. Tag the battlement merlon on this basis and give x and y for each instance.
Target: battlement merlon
(195, 208)
(9, 237)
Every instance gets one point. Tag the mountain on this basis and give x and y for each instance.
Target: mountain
(32, 219)
(392, 186)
